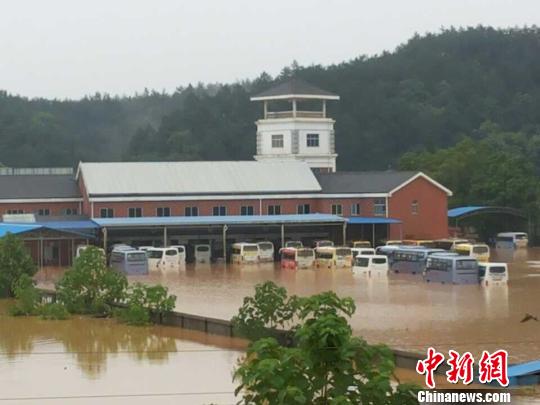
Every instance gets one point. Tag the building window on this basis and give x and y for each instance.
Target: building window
(191, 212)
(44, 212)
(274, 210)
(414, 207)
(219, 211)
(355, 209)
(70, 211)
(106, 213)
(163, 212)
(302, 209)
(312, 140)
(246, 210)
(277, 141)
(379, 206)
(15, 212)
(135, 212)
(337, 209)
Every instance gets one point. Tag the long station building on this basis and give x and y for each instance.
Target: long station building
(292, 189)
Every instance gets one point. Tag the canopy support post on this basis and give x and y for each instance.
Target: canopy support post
(225, 244)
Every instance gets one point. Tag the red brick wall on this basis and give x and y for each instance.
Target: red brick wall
(431, 222)
(288, 206)
(55, 208)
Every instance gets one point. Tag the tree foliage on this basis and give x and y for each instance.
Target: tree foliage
(15, 261)
(143, 301)
(89, 287)
(326, 365)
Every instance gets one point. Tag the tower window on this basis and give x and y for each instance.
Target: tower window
(106, 213)
(312, 140)
(355, 209)
(277, 141)
(303, 209)
(191, 211)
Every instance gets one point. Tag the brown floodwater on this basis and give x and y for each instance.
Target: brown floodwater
(400, 310)
(84, 360)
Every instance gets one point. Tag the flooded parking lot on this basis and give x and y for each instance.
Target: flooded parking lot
(401, 310)
(94, 359)
(85, 360)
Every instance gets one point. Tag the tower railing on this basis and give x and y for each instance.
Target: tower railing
(291, 114)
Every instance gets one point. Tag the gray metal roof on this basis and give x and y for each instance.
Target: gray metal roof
(196, 178)
(292, 88)
(362, 182)
(38, 187)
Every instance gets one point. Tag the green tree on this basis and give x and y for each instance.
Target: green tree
(89, 287)
(15, 261)
(27, 297)
(327, 364)
(143, 301)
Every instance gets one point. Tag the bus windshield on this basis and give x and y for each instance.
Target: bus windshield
(266, 246)
(466, 264)
(361, 262)
(480, 249)
(497, 269)
(343, 252)
(203, 248)
(154, 254)
(250, 248)
(305, 253)
(137, 257)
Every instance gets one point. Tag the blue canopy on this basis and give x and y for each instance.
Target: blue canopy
(459, 211)
(372, 220)
(17, 228)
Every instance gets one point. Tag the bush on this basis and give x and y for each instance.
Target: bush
(89, 287)
(53, 311)
(327, 365)
(143, 301)
(27, 295)
(268, 309)
(14, 262)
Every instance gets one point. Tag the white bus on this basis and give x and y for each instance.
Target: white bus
(266, 251)
(203, 253)
(493, 273)
(181, 253)
(370, 265)
(245, 253)
(163, 259)
(512, 240)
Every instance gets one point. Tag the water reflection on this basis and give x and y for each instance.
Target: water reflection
(92, 341)
(496, 301)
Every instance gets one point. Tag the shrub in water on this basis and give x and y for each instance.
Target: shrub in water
(54, 311)
(27, 295)
(143, 301)
(89, 287)
(14, 262)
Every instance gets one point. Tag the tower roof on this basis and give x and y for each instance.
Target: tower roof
(294, 88)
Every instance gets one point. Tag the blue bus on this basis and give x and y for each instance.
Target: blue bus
(410, 259)
(449, 269)
(129, 261)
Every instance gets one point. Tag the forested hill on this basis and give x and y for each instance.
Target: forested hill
(430, 93)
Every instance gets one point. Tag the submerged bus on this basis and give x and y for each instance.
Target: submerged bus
(451, 269)
(129, 261)
(333, 257)
(512, 240)
(266, 251)
(302, 258)
(370, 265)
(245, 253)
(411, 260)
(479, 251)
(493, 273)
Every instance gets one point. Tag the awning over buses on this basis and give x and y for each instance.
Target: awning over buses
(463, 212)
(372, 220)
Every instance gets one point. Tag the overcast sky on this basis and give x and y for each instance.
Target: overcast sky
(70, 48)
